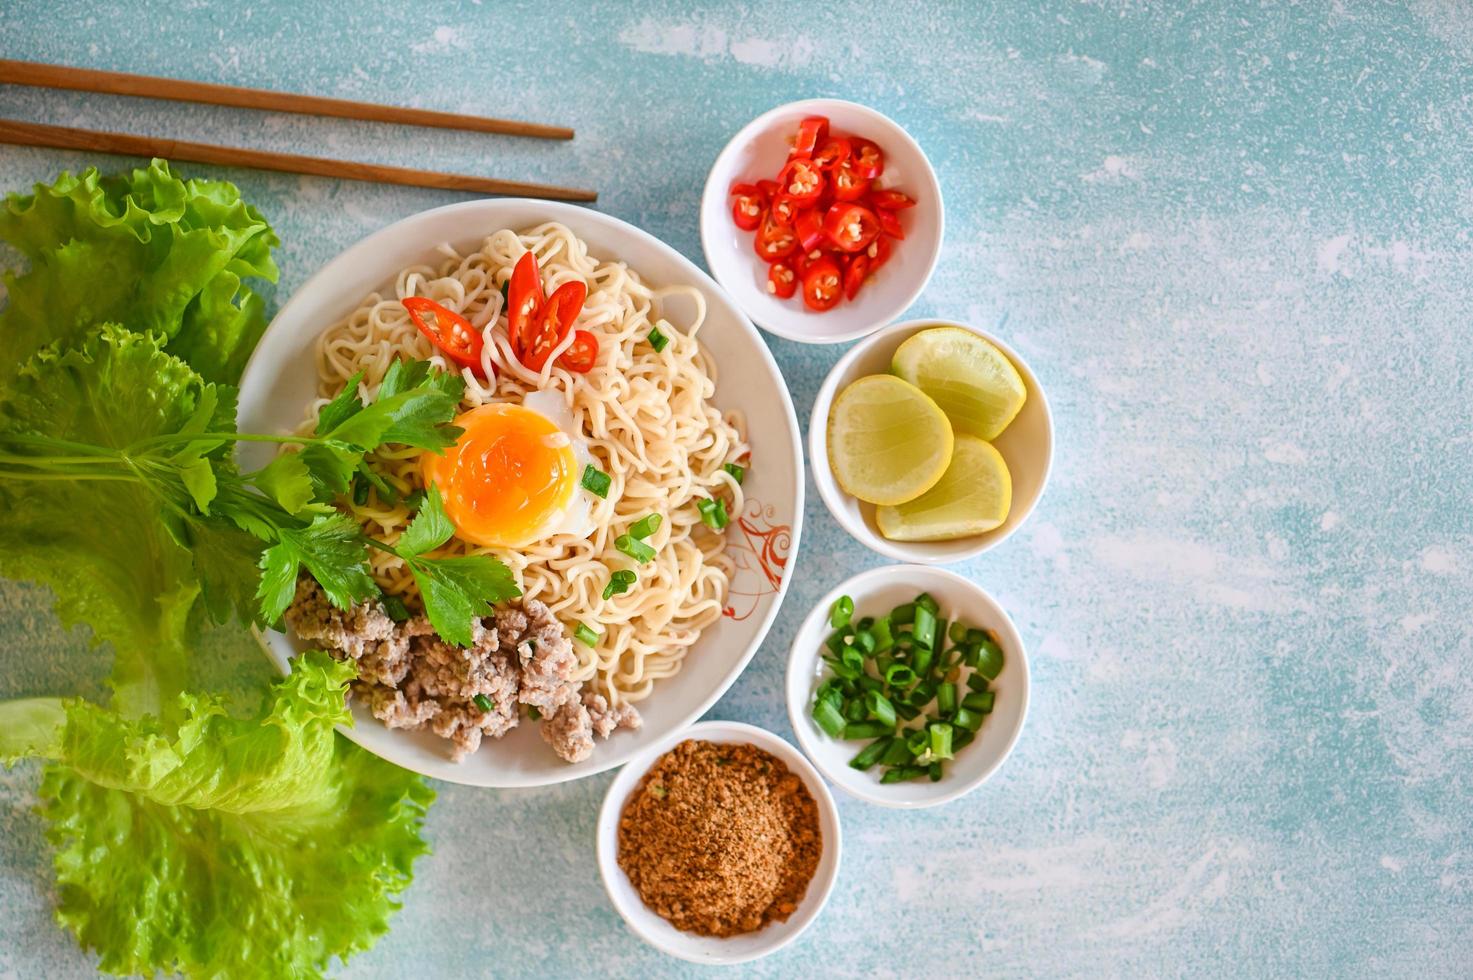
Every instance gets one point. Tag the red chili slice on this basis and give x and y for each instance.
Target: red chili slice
(782, 281)
(890, 224)
(768, 188)
(891, 200)
(879, 252)
(821, 285)
(809, 227)
(867, 158)
(524, 301)
(448, 331)
(785, 209)
(811, 132)
(774, 240)
(746, 210)
(834, 151)
(850, 226)
(582, 353)
(855, 273)
(848, 184)
(802, 180)
(558, 314)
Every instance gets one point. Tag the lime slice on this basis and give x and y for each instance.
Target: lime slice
(973, 496)
(974, 383)
(888, 442)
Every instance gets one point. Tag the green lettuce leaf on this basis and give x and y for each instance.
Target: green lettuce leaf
(145, 249)
(224, 847)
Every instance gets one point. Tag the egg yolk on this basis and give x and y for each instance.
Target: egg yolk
(507, 478)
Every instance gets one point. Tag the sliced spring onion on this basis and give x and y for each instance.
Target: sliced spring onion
(979, 701)
(394, 606)
(976, 682)
(958, 632)
(925, 600)
(897, 754)
(934, 771)
(865, 640)
(903, 615)
(585, 636)
(386, 493)
(924, 629)
(841, 612)
(841, 669)
(867, 729)
(879, 708)
(484, 703)
(900, 774)
(658, 340)
(360, 491)
(922, 693)
(899, 675)
(961, 738)
(828, 717)
(868, 683)
(596, 481)
(634, 548)
(851, 657)
(917, 742)
(620, 581)
(738, 473)
(940, 740)
(884, 636)
(854, 711)
(967, 718)
(920, 662)
(534, 713)
(870, 754)
(988, 660)
(713, 513)
(905, 712)
(645, 526)
(945, 699)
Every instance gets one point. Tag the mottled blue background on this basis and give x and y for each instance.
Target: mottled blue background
(1231, 239)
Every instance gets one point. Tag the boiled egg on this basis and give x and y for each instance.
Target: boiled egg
(514, 477)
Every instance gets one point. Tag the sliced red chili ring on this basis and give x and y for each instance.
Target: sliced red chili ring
(848, 184)
(774, 240)
(809, 227)
(891, 200)
(834, 151)
(782, 279)
(890, 223)
(850, 226)
(879, 252)
(811, 132)
(867, 158)
(452, 334)
(855, 273)
(750, 190)
(582, 353)
(802, 180)
(558, 314)
(768, 188)
(524, 301)
(821, 284)
(746, 211)
(785, 209)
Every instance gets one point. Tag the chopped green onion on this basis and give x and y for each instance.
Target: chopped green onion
(386, 493)
(870, 754)
(867, 729)
(394, 606)
(841, 669)
(922, 693)
(865, 640)
(934, 771)
(924, 629)
(838, 641)
(884, 636)
(903, 615)
(657, 339)
(596, 481)
(968, 719)
(958, 632)
(940, 741)
(645, 526)
(484, 703)
(920, 662)
(988, 660)
(866, 623)
(974, 637)
(899, 675)
(917, 742)
(980, 702)
(713, 513)
(906, 712)
(976, 682)
(738, 473)
(360, 491)
(585, 636)
(899, 774)
(830, 690)
(961, 739)
(945, 699)
(896, 754)
(854, 660)
(829, 718)
(841, 612)
(879, 708)
(505, 289)
(534, 713)
(620, 582)
(634, 548)
(854, 711)
(924, 600)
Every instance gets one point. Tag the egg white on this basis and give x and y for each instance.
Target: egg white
(577, 517)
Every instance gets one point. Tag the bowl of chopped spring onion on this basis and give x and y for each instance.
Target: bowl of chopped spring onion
(907, 686)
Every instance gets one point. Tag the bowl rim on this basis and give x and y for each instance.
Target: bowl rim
(797, 714)
(485, 211)
(759, 124)
(623, 784)
(833, 497)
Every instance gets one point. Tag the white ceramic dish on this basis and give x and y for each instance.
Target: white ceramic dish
(280, 381)
(706, 949)
(875, 593)
(1027, 445)
(759, 151)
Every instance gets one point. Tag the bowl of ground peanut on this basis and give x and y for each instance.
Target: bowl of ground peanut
(719, 843)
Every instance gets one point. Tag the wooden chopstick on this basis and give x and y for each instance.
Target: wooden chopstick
(148, 86)
(126, 144)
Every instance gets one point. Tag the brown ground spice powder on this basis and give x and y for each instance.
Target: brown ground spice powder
(720, 839)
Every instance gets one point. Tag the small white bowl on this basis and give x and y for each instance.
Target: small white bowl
(758, 152)
(875, 593)
(709, 949)
(1027, 446)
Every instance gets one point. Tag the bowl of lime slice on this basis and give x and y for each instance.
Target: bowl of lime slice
(931, 441)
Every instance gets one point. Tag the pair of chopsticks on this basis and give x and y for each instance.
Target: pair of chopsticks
(118, 83)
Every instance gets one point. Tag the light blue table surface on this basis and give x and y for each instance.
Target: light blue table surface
(1232, 240)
